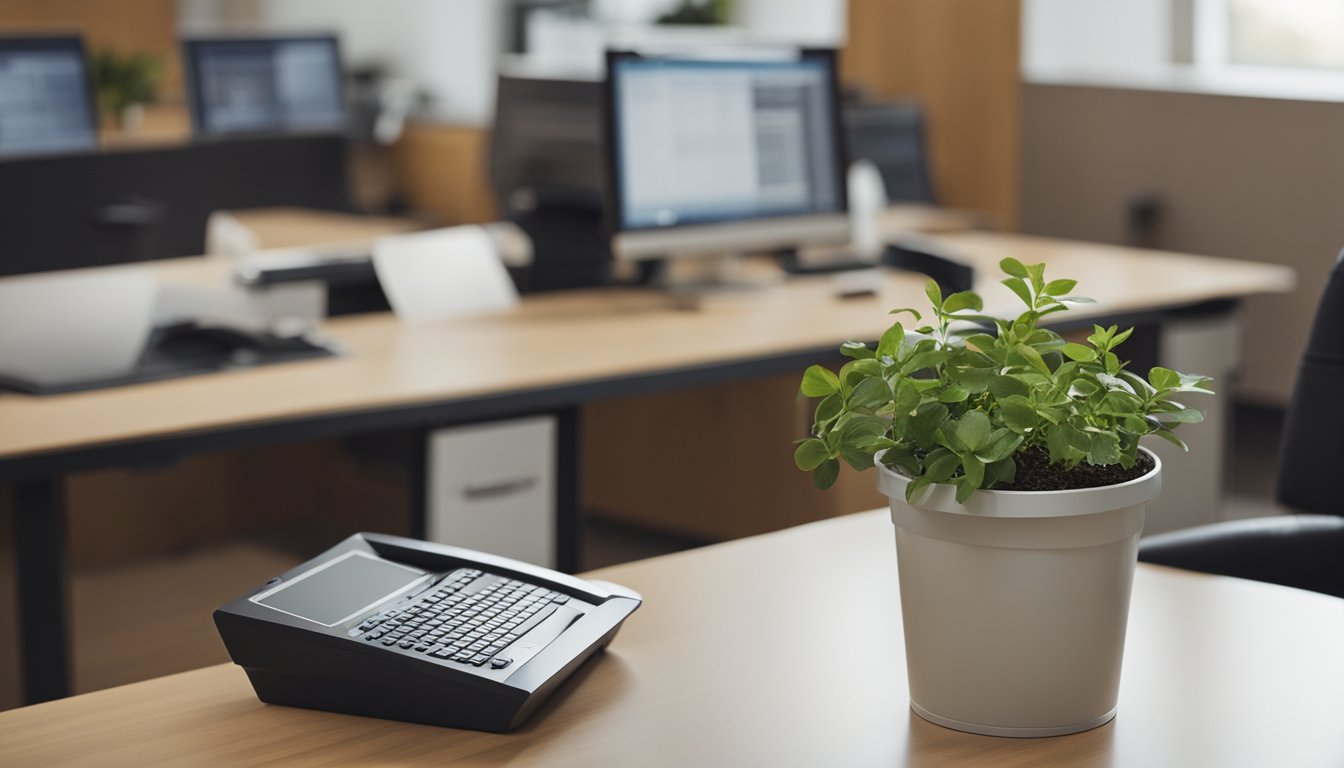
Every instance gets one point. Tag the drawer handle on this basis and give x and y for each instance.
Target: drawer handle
(501, 488)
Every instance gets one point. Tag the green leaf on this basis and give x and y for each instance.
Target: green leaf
(974, 379)
(819, 382)
(963, 300)
(940, 465)
(856, 350)
(1018, 414)
(1059, 287)
(1115, 383)
(1121, 336)
(934, 293)
(810, 454)
(1192, 383)
(1037, 272)
(1006, 386)
(907, 397)
(913, 489)
(825, 474)
(1105, 449)
(1018, 286)
(901, 457)
(899, 310)
(974, 471)
(1032, 358)
(1164, 378)
(1080, 353)
(827, 409)
(922, 426)
(891, 340)
(972, 430)
(1170, 437)
(870, 393)
(1000, 472)
(954, 394)
(1013, 267)
(921, 360)
(1002, 444)
(1182, 416)
(1077, 300)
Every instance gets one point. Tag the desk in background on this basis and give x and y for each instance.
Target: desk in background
(551, 356)
(785, 649)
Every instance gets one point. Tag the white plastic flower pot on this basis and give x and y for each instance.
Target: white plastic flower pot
(1015, 603)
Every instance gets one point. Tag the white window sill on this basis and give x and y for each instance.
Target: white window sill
(1252, 82)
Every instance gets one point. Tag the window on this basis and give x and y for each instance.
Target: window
(1293, 33)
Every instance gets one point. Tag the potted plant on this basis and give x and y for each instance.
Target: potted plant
(1017, 487)
(124, 83)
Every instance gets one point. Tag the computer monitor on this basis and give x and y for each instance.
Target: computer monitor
(265, 85)
(725, 155)
(546, 145)
(46, 105)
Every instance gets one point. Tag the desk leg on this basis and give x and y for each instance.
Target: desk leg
(567, 539)
(44, 618)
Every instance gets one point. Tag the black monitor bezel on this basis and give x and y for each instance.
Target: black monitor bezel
(58, 42)
(614, 209)
(191, 71)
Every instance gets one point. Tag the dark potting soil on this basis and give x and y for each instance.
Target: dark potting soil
(1036, 473)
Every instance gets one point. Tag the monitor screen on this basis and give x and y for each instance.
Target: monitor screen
(45, 104)
(340, 589)
(266, 85)
(698, 141)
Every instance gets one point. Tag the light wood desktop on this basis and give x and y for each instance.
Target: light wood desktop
(783, 649)
(584, 336)
(303, 227)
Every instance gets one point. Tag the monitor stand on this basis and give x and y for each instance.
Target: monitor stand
(688, 280)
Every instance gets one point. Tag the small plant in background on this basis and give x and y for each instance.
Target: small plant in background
(122, 81)
(699, 12)
(1018, 409)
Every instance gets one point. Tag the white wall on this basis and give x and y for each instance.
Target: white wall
(1094, 39)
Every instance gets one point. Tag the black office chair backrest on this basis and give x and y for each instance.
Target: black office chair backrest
(1312, 454)
(891, 136)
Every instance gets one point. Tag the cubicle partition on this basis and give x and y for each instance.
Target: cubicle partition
(92, 209)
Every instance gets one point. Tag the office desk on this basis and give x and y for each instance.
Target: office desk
(289, 227)
(783, 649)
(556, 352)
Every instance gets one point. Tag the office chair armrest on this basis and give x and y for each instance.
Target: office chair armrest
(1303, 551)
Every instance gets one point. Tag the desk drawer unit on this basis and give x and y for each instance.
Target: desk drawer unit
(491, 487)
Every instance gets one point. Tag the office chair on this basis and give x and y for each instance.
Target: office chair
(1304, 550)
(891, 136)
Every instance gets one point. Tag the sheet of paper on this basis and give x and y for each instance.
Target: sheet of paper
(442, 273)
(74, 326)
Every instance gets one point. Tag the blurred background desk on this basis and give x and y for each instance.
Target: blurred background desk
(400, 380)
(680, 667)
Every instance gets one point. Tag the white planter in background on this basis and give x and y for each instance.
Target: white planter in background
(1015, 603)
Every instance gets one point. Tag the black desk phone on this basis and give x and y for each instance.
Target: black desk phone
(403, 629)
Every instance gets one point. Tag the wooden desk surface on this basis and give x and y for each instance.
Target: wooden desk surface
(784, 650)
(584, 336)
(299, 227)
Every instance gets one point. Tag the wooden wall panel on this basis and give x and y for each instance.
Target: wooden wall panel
(713, 463)
(122, 25)
(441, 170)
(960, 59)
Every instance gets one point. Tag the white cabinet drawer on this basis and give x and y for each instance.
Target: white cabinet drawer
(492, 487)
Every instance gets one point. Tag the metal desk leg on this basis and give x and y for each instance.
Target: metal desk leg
(567, 467)
(44, 616)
